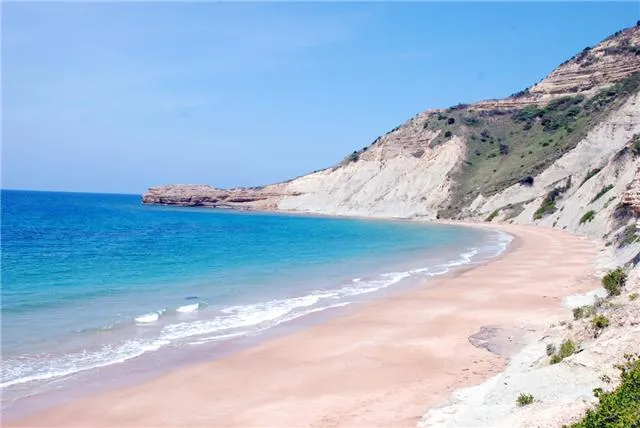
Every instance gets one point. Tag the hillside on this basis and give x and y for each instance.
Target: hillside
(543, 155)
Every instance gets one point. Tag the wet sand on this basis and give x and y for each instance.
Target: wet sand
(382, 364)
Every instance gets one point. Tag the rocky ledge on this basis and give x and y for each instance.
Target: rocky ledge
(188, 195)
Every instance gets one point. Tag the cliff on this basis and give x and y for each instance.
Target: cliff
(550, 154)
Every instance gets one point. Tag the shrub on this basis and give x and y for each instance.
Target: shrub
(353, 157)
(548, 205)
(614, 280)
(583, 312)
(555, 359)
(619, 408)
(588, 216)
(635, 144)
(451, 121)
(629, 235)
(493, 215)
(600, 321)
(527, 180)
(524, 399)
(447, 134)
(602, 191)
(633, 296)
(567, 348)
(590, 174)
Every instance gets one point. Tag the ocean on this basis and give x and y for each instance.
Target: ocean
(91, 281)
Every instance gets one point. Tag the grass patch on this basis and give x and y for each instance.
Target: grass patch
(600, 321)
(633, 296)
(588, 216)
(602, 191)
(524, 400)
(619, 408)
(567, 348)
(583, 312)
(614, 281)
(493, 215)
(629, 235)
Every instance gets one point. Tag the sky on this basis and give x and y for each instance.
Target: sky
(116, 97)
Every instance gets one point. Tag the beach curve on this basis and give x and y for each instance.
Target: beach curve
(382, 364)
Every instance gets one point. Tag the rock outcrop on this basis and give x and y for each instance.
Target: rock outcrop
(194, 195)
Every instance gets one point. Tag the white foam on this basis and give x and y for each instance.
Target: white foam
(38, 367)
(188, 308)
(229, 322)
(147, 318)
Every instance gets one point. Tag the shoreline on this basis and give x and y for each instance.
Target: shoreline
(417, 335)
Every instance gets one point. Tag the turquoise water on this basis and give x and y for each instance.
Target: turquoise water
(93, 280)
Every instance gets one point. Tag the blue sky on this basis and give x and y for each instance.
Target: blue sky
(116, 97)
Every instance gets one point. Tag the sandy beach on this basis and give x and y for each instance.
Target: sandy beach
(382, 364)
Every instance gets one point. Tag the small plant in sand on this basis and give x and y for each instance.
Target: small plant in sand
(600, 321)
(633, 296)
(567, 348)
(524, 399)
(614, 280)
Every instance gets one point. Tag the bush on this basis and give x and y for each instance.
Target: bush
(555, 359)
(588, 216)
(447, 134)
(635, 144)
(548, 205)
(353, 157)
(629, 235)
(583, 312)
(590, 174)
(567, 348)
(619, 408)
(602, 191)
(600, 321)
(633, 296)
(493, 215)
(526, 181)
(524, 399)
(451, 121)
(614, 280)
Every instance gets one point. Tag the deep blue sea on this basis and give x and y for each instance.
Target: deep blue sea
(94, 280)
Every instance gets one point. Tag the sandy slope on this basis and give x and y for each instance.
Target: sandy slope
(381, 365)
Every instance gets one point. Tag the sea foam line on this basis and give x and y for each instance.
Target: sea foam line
(232, 321)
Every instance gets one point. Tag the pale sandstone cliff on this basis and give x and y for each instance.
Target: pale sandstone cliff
(414, 171)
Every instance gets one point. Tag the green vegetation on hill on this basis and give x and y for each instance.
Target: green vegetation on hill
(614, 281)
(505, 145)
(619, 408)
(588, 216)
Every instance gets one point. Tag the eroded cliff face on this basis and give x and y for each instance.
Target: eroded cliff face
(494, 160)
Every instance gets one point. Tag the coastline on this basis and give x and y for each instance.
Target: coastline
(383, 363)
